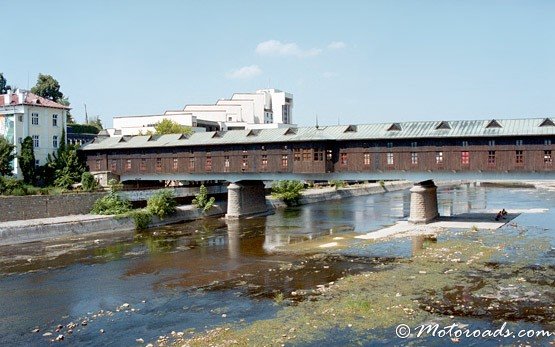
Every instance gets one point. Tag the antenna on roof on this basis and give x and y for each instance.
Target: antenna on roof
(86, 115)
(317, 121)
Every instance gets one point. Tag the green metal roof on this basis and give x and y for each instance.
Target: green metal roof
(409, 130)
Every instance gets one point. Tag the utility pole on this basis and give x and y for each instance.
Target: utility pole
(86, 115)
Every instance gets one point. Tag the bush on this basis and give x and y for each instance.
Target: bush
(202, 200)
(111, 204)
(12, 186)
(162, 203)
(88, 182)
(288, 191)
(337, 183)
(142, 219)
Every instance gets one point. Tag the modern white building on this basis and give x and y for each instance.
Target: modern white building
(263, 109)
(23, 114)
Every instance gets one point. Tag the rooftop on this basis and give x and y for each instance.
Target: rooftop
(31, 100)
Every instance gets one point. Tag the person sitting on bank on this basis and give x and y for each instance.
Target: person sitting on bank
(504, 213)
(499, 215)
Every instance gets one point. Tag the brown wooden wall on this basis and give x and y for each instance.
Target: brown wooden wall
(322, 157)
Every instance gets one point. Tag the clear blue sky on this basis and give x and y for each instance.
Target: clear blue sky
(361, 61)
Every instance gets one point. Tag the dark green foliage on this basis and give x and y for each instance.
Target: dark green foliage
(12, 186)
(26, 160)
(167, 126)
(6, 157)
(288, 191)
(4, 87)
(84, 128)
(337, 183)
(202, 200)
(142, 219)
(65, 166)
(48, 88)
(162, 203)
(88, 182)
(111, 203)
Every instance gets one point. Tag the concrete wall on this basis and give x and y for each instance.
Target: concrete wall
(44, 206)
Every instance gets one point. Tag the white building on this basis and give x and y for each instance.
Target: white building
(265, 108)
(25, 114)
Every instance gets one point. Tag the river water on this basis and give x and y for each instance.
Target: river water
(206, 273)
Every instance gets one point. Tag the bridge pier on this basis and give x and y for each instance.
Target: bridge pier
(423, 202)
(245, 198)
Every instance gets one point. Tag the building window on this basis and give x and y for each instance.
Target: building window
(208, 163)
(128, 165)
(35, 118)
(519, 142)
(464, 144)
(366, 158)
(37, 163)
(491, 157)
(343, 159)
(36, 142)
(158, 164)
(439, 158)
(414, 158)
(547, 142)
(519, 159)
(318, 155)
(20, 118)
(390, 145)
(226, 163)
(390, 159)
(414, 144)
(175, 164)
(54, 120)
(98, 164)
(284, 161)
(547, 159)
(264, 161)
(245, 163)
(297, 154)
(142, 165)
(191, 163)
(465, 157)
(55, 141)
(113, 165)
(491, 143)
(20, 140)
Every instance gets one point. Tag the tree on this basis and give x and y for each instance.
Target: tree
(6, 157)
(202, 200)
(95, 121)
(27, 160)
(167, 126)
(288, 191)
(48, 88)
(4, 87)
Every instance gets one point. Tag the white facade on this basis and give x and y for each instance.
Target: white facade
(25, 114)
(265, 108)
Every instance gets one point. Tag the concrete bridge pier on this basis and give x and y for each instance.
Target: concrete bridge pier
(246, 198)
(423, 202)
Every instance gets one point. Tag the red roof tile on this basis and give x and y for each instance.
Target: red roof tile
(32, 100)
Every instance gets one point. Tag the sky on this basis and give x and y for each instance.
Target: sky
(351, 62)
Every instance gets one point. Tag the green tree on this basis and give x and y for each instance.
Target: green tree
(48, 88)
(202, 200)
(162, 203)
(64, 167)
(26, 160)
(288, 191)
(88, 182)
(167, 126)
(4, 87)
(6, 157)
(95, 121)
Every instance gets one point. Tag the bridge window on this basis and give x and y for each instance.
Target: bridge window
(414, 158)
(491, 157)
(113, 165)
(264, 161)
(226, 163)
(192, 163)
(297, 154)
(491, 143)
(208, 163)
(128, 165)
(175, 164)
(547, 142)
(142, 166)
(547, 159)
(366, 158)
(464, 144)
(439, 158)
(329, 154)
(343, 159)
(519, 142)
(390, 159)
(390, 145)
(318, 155)
(414, 144)
(284, 161)
(306, 154)
(245, 163)
(465, 157)
(158, 164)
(519, 159)
(98, 163)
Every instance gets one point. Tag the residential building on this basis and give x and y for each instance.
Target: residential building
(263, 109)
(23, 114)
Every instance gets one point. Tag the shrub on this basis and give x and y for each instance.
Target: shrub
(288, 191)
(111, 203)
(12, 186)
(142, 219)
(162, 203)
(202, 200)
(382, 183)
(88, 182)
(337, 183)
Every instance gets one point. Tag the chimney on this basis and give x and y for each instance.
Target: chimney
(8, 97)
(21, 96)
